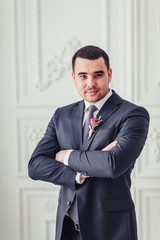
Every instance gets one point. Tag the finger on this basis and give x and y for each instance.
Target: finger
(83, 176)
(57, 156)
(113, 144)
(110, 146)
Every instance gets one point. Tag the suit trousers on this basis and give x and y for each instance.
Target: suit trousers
(69, 232)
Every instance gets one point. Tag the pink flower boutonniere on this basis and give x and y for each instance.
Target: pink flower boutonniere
(94, 122)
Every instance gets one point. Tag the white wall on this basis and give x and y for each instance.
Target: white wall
(38, 38)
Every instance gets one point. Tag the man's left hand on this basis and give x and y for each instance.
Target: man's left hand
(60, 155)
(110, 146)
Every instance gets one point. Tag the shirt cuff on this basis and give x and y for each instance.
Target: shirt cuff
(65, 161)
(78, 180)
(66, 157)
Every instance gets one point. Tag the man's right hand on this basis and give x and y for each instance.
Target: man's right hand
(83, 177)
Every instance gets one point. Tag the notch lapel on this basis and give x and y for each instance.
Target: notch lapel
(109, 107)
(76, 120)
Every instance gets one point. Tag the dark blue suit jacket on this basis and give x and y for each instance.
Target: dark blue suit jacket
(105, 206)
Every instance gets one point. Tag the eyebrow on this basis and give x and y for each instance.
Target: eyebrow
(101, 71)
(81, 73)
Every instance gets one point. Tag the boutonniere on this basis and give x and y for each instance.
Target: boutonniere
(94, 122)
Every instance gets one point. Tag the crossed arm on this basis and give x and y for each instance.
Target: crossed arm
(111, 162)
(61, 155)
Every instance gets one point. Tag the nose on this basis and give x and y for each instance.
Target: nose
(91, 82)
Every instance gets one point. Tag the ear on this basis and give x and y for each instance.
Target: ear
(109, 74)
(73, 77)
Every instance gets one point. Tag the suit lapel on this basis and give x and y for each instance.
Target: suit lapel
(76, 120)
(110, 106)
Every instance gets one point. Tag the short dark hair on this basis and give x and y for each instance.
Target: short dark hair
(90, 52)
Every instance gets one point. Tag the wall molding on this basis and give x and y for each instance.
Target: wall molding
(147, 57)
(154, 138)
(148, 163)
(147, 198)
(49, 229)
(33, 200)
(29, 131)
(35, 72)
(58, 65)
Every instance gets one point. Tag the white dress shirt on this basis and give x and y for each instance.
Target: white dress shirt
(99, 105)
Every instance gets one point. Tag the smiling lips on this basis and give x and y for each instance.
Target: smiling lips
(92, 92)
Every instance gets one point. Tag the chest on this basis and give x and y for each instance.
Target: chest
(69, 132)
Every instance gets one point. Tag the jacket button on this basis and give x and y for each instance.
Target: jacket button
(68, 203)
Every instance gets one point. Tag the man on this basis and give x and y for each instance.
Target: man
(92, 160)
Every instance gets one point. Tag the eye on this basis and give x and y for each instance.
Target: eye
(98, 75)
(83, 76)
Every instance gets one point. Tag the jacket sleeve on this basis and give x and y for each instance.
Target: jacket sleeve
(43, 166)
(112, 164)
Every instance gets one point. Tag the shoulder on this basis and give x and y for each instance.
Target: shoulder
(69, 107)
(128, 108)
(67, 110)
(134, 109)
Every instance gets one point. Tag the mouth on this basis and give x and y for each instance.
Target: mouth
(91, 92)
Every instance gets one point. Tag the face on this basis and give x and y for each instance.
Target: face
(92, 79)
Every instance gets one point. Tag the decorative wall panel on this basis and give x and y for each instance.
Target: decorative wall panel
(147, 61)
(44, 51)
(149, 211)
(120, 42)
(30, 131)
(38, 213)
(148, 164)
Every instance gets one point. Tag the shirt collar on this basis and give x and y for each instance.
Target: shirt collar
(100, 103)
